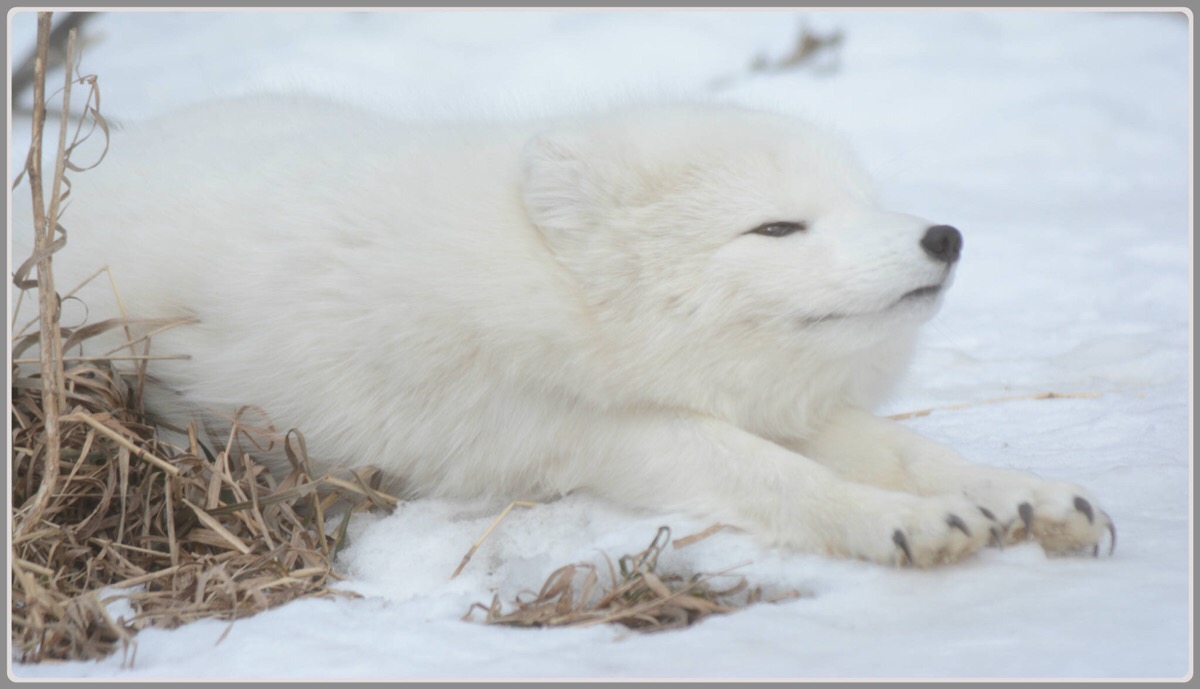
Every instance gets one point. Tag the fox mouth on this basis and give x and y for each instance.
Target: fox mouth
(920, 294)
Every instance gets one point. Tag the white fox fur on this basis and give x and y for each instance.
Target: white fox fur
(571, 304)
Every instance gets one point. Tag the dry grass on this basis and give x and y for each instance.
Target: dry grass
(104, 506)
(996, 400)
(812, 51)
(638, 595)
(808, 48)
(182, 533)
(475, 546)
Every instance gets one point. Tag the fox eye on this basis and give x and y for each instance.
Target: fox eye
(779, 229)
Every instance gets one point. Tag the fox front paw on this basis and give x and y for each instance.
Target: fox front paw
(905, 530)
(1061, 517)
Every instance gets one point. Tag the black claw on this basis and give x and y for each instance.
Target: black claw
(997, 537)
(1026, 512)
(987, 513)
(1085, 507)
(902, 543)
(1112, 531)
(956, 523)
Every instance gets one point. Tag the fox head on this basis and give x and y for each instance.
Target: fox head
(732, 218)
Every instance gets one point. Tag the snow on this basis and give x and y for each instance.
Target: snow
(1058, 142)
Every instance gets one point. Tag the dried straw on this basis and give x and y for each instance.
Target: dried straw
(475, 546)
(197, 537)
(996, 400)
(638, 597)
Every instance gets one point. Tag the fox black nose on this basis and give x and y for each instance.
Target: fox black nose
(942, 243)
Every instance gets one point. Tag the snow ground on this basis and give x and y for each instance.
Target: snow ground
(1058, 142)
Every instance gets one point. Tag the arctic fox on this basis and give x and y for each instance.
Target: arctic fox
(681, 308)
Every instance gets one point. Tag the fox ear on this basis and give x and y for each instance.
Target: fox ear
(557, 184)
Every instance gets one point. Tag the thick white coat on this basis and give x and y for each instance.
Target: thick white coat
(572, 304)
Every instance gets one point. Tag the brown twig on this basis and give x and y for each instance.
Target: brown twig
(24, 74)
(697, 537)
(51, 342)
(121, 441)
(996, 400)
(488, 532)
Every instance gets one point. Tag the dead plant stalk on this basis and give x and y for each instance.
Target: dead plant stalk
(45, 224)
